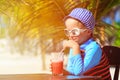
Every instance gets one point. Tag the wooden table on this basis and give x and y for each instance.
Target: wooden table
(45, 77)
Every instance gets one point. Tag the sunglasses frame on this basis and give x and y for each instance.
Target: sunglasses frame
(79, 30)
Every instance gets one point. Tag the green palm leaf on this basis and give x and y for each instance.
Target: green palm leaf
(35, 24)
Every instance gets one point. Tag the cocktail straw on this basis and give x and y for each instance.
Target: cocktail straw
(60, 55)
(62, 50)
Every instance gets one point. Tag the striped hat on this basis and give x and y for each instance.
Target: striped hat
(84, 16)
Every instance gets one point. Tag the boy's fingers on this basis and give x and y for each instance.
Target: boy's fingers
(50, 66)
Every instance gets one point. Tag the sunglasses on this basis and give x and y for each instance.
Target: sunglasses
(73, 32)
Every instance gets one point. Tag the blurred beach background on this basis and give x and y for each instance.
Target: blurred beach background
(25, 64)
(31, 29)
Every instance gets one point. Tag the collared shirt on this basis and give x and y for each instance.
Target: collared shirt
(92, 55)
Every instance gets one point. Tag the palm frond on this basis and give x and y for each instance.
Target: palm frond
(105, 6)
(42, 19)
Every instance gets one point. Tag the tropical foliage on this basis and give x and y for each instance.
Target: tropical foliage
(35, 26)
(117, 37)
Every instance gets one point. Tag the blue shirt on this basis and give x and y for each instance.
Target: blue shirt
(92, 55)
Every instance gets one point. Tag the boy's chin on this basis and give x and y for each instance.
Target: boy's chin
(80, 42)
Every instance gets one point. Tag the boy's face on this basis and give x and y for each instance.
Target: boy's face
(76, 31)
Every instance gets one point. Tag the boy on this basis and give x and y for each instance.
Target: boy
(85, 56)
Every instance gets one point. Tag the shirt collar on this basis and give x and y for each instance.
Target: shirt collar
(86, 43)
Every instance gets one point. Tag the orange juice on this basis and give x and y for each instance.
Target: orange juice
(57, 67)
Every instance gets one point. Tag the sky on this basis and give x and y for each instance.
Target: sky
(108, 20)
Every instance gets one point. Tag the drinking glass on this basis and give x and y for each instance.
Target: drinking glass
(57, 63)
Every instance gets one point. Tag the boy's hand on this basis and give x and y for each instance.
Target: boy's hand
(72, 44)
(50, 66)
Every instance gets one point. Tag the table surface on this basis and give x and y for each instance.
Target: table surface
(45, 77)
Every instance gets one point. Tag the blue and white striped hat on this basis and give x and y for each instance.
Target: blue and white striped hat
(84, 16)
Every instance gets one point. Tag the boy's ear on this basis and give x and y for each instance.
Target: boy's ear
(89, 32)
